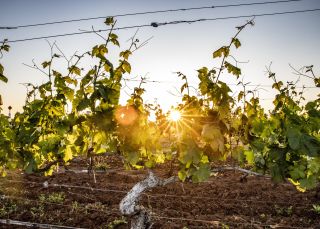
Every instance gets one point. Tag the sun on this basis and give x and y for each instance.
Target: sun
(174, 115)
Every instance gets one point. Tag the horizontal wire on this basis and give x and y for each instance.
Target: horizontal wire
(217, 222)
(34, 225)
(232, 84)
(154, 24)
(56, 204)
(212, 222)
(150, 195)
(148, 12)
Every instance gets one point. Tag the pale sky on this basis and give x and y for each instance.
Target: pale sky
(283, 40)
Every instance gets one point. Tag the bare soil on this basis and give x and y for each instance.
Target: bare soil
(71, 198)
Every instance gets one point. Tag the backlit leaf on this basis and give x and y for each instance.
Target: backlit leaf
(126, 66)
(294, 138)
(236, 42)
(202, 173)
(46, 64)
(109, 21)
(3, 78)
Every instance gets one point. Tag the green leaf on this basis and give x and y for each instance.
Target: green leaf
(46, 64)
(311, 145)
(240, 95)
(75, 70)
(232, 69)
(114, 39)
(29, 168)
(108, 66)
(202, 173)
(69, 93)
(184, 86)
(99, 137)
(249, 156)
(95, 51)
(125, 54)
(276, 173)
(221, 51)
(294, 138)
(5, 47)
(236, 42)
(1, 69)
(182, 174)
(109, 21)
(309, 183)
(83, 104)
(3, 78)
(298, 172)
(103, 50)
(69, 80)
(211, 132)
(68, 153)
(190, 153)
(133, 157)
(277, 85)
(126, 66)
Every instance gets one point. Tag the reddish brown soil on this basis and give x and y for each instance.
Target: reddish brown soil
(221, 202)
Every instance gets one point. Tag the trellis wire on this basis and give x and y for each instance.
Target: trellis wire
(156, 195)
(219, 223)
(34, 225)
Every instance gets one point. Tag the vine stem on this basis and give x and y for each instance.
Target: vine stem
(240, 28)
(228, 168)
(128, 205)
(140, 216)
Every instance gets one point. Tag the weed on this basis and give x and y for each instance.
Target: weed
(7, 209)
(75, 206)
(37, 212)
(224, 226)
(115, 223)
(283, 211)
(316, 208)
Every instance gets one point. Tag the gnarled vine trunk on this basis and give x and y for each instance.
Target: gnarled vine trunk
(140, 216)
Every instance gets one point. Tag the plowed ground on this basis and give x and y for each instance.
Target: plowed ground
(72, 199)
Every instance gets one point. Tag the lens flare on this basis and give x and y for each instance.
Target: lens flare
(126, 115)
(175, 116)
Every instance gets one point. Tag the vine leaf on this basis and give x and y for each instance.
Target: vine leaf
(202, 173)
(236, 42)
(46, 64)
(126, 66)
(75, 70)
(68, 153)
(114, 39)
(184, 86)
(277, 85)
(233, 69)
(240, 95)
(1, 69)
(294, 138)
(221, 51)
(190, 154)
(109, 21)
(309, 182)
(3, 78)
(182, 174)
(125, 54)
(298, 172)
(249, 156)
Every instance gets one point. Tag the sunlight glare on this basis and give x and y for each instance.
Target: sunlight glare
(175, 115)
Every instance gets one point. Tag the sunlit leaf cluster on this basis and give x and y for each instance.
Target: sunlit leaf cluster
(76, 112)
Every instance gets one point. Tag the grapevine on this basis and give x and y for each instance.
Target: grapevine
(77, 113)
